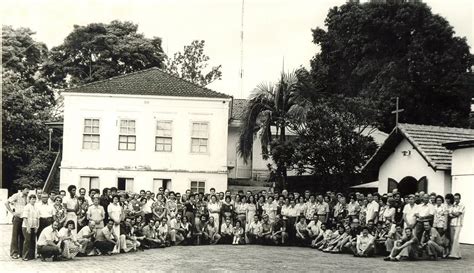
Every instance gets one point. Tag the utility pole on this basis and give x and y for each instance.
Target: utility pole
(50, 130)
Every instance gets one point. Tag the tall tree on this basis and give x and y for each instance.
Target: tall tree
(192, 63)
(26, 104)
(99, 51)
(381, 51)
(271, 106)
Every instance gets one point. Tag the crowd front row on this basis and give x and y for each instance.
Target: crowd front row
(418, 226)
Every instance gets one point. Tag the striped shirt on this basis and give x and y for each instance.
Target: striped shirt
(18, 200)
(457, 221)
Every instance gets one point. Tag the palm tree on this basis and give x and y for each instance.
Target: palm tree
(272, 106)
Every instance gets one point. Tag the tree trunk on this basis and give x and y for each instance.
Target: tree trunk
(282, 175)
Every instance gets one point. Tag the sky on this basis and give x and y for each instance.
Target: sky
(277, 33)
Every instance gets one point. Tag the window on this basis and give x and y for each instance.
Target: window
(89, 182)
(163, 139)
(161, 183)
(199, 137)
(127, 137)
(125, 184)
(198, 186)
(91, 135)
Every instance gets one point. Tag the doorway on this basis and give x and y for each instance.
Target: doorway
(408, 185)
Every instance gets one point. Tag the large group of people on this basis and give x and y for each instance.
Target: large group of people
(57, 226)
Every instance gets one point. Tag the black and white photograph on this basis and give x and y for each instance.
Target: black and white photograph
(237, 136)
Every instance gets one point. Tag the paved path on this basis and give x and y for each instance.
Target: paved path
(227, 258)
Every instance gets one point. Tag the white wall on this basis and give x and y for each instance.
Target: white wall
(240, 169)
(143, 180)
(397, 166)
(146, 110)
(463, 183)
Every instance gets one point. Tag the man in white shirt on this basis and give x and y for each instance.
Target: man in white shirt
(365, 244)
(176, 236)
(424, 213)
(45, 211)
(227, 232)
(409, 211)
(254, 231)
(86, 238)
(48, 242)
(372, 209)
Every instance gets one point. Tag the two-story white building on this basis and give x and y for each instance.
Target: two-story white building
(145, 130)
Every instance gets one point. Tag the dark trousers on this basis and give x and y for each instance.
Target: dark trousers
(43, 222)
(226, 239)
(16, 245)
(104, 246)
(29, 244)
(48, 251)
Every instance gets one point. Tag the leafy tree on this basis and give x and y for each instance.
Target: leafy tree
(271, 106)
(21, 53)
(24, 133)
(381, 51)
(100, 51)
(331, 142)
(191, 64)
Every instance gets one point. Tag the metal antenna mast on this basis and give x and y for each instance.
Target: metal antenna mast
(242, 52)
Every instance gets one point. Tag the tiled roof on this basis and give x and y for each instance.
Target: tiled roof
(238, 108)
(427, 140)
(152, 82)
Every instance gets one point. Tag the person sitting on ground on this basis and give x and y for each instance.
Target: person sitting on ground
(150, 234)
(48, 242)
(393, 236)
(199, 228)
(267, 230)
(86, 237)
(341, 235)
(210, 233)
(301, 233)
(186, 230)
(68, 238)
(227, 232)
(254, 231)
(350, 242)
(239, 233)
(323, 235)
(407, 247)
(176, 233)
(365, 244)
(314, 227)
(163, 232)
(128, 240)
(279, 234)
(106, 239)
(431, 243)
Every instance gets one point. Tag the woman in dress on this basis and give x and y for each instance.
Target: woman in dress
(59, 211)
(159, 207)
(227, 210)
(251, 209)
(68, 238)
(363, 211)
(301, 206)
(239, 232)
(214, 208)
(81, 213)
(171, 205)
(388, 211)
(353, 207)
(115, 213)
(260, 204)
(270, 209)
(241, 209)
(190, 209)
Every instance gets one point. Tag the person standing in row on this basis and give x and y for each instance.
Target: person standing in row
(15, 205)
(30, 226)
(45, 211)
(71, 204)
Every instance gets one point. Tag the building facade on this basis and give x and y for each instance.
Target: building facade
(145, 130)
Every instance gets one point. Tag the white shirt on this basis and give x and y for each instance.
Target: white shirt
(410, 211)
(85, 231)
(45, 210)
(47, 235)
(372, 208)
(424, 210)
